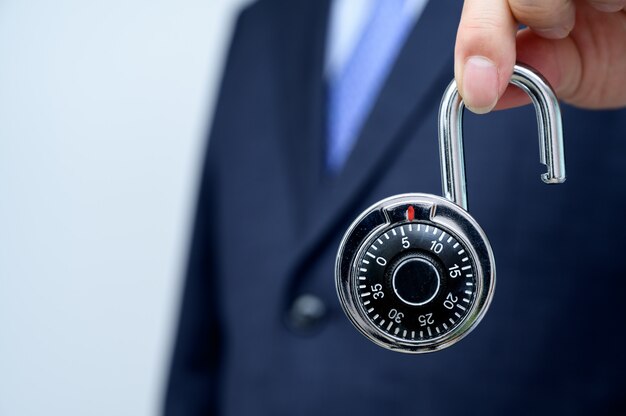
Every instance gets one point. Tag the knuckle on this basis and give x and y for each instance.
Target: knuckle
(489, 22)
(541, 13)
(483, 34)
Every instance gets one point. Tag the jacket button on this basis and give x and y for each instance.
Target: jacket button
(306, 313)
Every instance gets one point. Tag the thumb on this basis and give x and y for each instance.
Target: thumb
(484, 53)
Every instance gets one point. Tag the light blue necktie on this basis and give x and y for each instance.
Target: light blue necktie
(353, 90)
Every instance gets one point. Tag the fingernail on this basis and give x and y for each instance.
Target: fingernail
(480, 84)
(607, 7)
(554, 32)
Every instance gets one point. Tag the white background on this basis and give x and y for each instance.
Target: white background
(104, 106)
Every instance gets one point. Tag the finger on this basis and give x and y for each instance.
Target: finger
(608, 6)
(552, 19)
(558, 60)
(587, 68)
(484, 53)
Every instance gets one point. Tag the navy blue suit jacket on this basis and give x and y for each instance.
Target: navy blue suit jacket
(269, 221)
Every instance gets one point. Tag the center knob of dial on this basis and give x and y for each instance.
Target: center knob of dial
(416, 281)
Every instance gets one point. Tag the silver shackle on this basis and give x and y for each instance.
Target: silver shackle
(548, 112)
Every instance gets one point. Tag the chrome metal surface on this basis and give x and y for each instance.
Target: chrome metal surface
(368, 292)
(444, 214)
(548, 112)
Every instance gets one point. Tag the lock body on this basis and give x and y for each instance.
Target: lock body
(415, 273)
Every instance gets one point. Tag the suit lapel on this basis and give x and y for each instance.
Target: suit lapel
(413, 87)
(300, 46)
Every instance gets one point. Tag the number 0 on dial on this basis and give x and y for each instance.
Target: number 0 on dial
(407, 277)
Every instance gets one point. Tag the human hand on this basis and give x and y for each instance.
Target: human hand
(578, 45)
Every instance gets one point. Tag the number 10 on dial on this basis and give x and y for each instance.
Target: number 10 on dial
(413, 284)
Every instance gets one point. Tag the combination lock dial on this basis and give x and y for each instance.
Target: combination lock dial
(410, 279)
(415, 272)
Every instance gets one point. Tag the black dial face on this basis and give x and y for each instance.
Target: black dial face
(415, 282)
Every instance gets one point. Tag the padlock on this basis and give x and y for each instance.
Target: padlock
(415, 272)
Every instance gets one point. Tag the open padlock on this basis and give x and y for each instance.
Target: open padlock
(415, 272)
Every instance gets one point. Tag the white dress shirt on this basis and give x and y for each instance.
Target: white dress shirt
(347, 20)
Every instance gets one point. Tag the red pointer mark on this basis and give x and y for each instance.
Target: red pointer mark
(410, 213)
